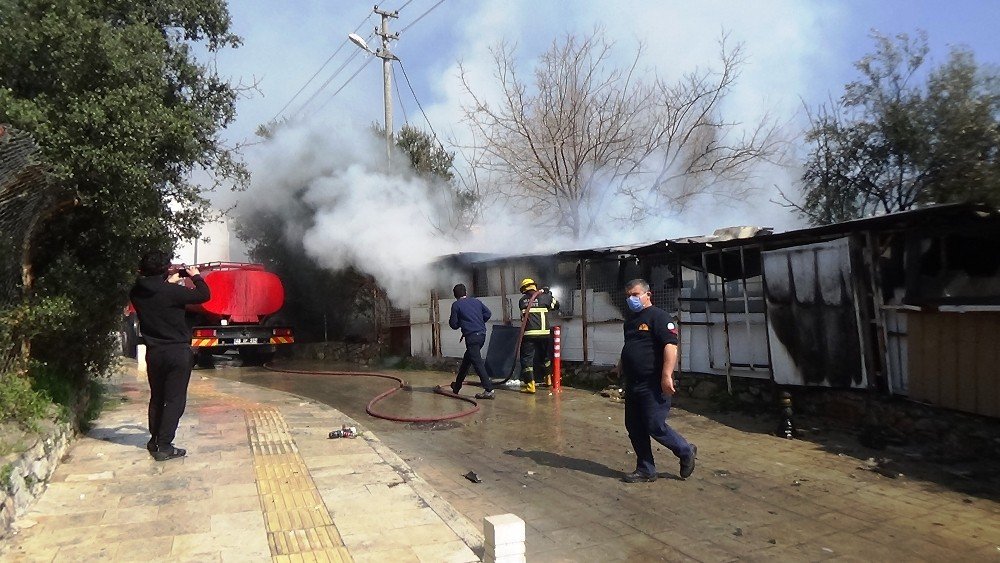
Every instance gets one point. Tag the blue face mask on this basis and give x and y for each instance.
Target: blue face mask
(634, 303)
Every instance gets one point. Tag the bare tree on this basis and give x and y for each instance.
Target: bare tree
(585, 130)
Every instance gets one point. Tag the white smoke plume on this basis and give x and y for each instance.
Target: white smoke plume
(333, 187)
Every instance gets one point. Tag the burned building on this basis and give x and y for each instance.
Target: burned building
(903, 304)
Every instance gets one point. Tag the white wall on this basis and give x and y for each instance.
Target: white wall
(217, 247)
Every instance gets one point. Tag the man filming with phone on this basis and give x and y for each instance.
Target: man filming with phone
(159, 302)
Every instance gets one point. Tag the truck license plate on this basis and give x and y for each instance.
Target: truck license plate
(245, 341)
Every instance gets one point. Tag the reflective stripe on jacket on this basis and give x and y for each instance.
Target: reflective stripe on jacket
(538, 322)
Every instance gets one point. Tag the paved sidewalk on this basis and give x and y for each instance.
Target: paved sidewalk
(261, 482)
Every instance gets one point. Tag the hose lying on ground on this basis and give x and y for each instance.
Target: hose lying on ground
(370, 409)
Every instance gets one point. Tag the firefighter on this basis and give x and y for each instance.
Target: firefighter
(535, 307)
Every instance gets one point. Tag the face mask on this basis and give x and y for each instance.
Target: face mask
(634, 303)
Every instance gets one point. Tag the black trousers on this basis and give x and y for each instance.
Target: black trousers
(168, 369)
(474, 357)
(535, 360)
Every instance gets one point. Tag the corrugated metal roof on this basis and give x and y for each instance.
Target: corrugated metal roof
(946, 214)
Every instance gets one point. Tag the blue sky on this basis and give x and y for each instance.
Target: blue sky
(818, 41)
(799, 52)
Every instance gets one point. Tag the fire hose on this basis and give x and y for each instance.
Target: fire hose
(520, 336)
(400, 384)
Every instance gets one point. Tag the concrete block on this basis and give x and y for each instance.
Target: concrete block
(503, 529)
(508, 559)
(504, 549)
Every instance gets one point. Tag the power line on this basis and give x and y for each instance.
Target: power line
(336, 73)
(320, 70)
(421, 15)
(333, 95)
(414, 94)
(311, 78)
(400, 96)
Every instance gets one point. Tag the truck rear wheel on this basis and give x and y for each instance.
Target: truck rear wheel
(205, 359)
(252, 356)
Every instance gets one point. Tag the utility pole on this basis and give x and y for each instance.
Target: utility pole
(387, 57)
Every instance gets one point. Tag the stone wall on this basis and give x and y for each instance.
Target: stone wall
(23, 476)
(363, 354)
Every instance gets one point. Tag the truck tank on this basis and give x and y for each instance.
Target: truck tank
(242, 295)
(239, 315)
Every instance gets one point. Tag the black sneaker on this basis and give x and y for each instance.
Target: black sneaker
(687, 463)
(486, 395)
(163, 453)
(638, 477)
(456, 387)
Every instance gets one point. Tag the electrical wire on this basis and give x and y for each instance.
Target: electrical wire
(414, 94)
(400, 98)
(421, 15)
(311, 78)
(305, 104)
(333, 95)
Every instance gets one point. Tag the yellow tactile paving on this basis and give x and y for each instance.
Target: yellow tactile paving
(299, 527)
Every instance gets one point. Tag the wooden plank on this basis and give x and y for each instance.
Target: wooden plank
(914, 357)
(967, 344)
(945, 326)
(987, 356)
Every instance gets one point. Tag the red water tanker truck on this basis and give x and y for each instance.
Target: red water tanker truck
(240, 315)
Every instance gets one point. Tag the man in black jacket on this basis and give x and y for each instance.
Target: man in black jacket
(159, 302)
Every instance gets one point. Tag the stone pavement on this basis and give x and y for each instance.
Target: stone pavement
(261, 482)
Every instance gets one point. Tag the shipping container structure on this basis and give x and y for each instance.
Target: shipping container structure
(903, 304)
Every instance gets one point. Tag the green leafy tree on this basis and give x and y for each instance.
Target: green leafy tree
(429, 159)
(123, 113)
(902, 136)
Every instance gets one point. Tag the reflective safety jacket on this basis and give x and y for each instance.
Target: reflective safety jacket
(538, 322)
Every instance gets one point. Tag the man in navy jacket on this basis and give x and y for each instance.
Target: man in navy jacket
(470, 315)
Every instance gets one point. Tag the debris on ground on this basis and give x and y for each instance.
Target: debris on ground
(344, 432)
(883, 466)
(471, 476)
(614, 392)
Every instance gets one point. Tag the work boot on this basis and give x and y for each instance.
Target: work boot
(639, 477)
(687, 463)
(486, 395)
(163, 453)
(456, 387)
(529, 388)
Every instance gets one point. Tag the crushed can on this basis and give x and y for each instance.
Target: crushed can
(345, 432)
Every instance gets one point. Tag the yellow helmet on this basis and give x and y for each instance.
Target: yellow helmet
(527, 283)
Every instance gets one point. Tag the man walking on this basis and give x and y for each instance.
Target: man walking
(159, 303)
(470, 315)
(647, 366)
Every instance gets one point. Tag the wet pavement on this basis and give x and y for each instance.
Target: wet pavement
(556, 461)
(262, 482)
